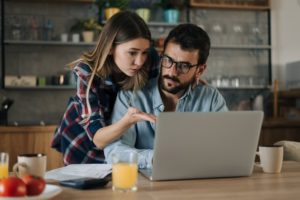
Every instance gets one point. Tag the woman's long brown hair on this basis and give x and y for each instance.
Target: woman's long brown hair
(122, 27)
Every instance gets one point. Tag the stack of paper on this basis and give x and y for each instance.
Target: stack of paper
(75, 171)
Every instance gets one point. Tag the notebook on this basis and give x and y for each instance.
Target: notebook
(190, 145)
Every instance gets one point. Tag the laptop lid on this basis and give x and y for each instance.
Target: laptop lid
(191, 145)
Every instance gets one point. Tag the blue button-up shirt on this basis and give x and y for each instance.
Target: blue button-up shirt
(140, 137)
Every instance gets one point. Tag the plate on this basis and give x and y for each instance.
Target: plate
(49, 192)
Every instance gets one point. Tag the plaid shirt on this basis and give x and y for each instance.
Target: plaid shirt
(74, 136)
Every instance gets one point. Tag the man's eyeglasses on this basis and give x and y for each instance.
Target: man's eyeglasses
(181, 67)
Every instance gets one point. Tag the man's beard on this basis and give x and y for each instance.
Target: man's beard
(176, 89)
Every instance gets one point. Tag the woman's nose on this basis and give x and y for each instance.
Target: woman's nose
(140, 60)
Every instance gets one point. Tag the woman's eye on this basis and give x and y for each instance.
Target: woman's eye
(145, 53)
(133, 53)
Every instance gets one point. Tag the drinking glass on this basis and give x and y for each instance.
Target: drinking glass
(4, 160)
(124, 171)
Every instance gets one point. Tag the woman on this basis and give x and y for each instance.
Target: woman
(122, 59)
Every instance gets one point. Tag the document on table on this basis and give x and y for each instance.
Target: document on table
(75, 171)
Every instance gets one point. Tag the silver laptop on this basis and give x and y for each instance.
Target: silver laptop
(190, 145)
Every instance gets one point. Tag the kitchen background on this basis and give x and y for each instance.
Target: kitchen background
(250, 49)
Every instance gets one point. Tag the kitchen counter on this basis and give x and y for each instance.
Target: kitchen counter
(30, 128)
(29, 139)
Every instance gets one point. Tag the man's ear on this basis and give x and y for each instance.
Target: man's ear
(199, 72)
(201, 69)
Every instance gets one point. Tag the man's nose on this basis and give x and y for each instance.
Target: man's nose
(173, 69)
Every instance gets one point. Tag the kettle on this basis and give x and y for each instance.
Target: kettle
(6, 104)
(258, 103)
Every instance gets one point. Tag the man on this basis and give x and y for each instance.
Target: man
(183, 61)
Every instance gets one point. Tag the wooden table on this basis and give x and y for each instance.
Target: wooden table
(258, 186)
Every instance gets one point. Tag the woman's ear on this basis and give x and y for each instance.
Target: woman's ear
(111, 51)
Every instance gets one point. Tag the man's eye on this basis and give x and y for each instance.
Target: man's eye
(184, 65)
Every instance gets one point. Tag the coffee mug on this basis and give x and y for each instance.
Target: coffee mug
(33, 164)
(64, 37)
(271, 158)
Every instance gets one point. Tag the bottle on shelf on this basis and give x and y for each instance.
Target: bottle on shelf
(48, 30)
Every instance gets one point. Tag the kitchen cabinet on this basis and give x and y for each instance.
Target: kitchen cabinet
(29, 139)
(288, 105)
(278, 129)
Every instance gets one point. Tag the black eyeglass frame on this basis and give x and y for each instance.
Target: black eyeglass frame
(178, 65)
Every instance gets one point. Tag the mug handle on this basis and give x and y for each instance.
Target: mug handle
(20, 169)
(257, 164)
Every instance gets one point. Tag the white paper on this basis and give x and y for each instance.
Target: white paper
(75, 171)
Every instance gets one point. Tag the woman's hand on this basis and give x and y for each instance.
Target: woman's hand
(114, 131)
(134, 115)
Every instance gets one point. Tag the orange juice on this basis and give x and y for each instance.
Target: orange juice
(124, 176)
(3, 170)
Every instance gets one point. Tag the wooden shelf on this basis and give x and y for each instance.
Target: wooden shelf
(47, 87)
(289, 94)
(57, 1)
(280, 122)
(264, 5)
(43, 42)
(238, 47)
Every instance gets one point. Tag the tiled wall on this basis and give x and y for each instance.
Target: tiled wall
(34, 106)
(40, 105)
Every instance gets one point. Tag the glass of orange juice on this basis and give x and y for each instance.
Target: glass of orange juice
(4, 158)
(124, 171)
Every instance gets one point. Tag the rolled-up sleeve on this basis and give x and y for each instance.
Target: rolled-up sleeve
(218, 103)
(127, 142)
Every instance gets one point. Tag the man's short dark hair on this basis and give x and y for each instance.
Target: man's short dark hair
(190, 37)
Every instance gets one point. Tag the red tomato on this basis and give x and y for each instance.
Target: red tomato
(12, 187)
(34, 185)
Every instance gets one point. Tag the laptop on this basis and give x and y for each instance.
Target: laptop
(191, 145)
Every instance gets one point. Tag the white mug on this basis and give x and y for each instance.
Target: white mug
(271, 158)
(64, 37)
(75, 37)
(33, 164)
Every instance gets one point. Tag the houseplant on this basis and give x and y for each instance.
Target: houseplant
(142, 8)
(171, 9)
(88, 28)
(91, 27)
(111, 7)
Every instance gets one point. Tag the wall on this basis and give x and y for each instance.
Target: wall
(41, 105)
(285, 17)
(33, 106)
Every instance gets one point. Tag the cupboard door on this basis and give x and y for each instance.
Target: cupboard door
(19, 140)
